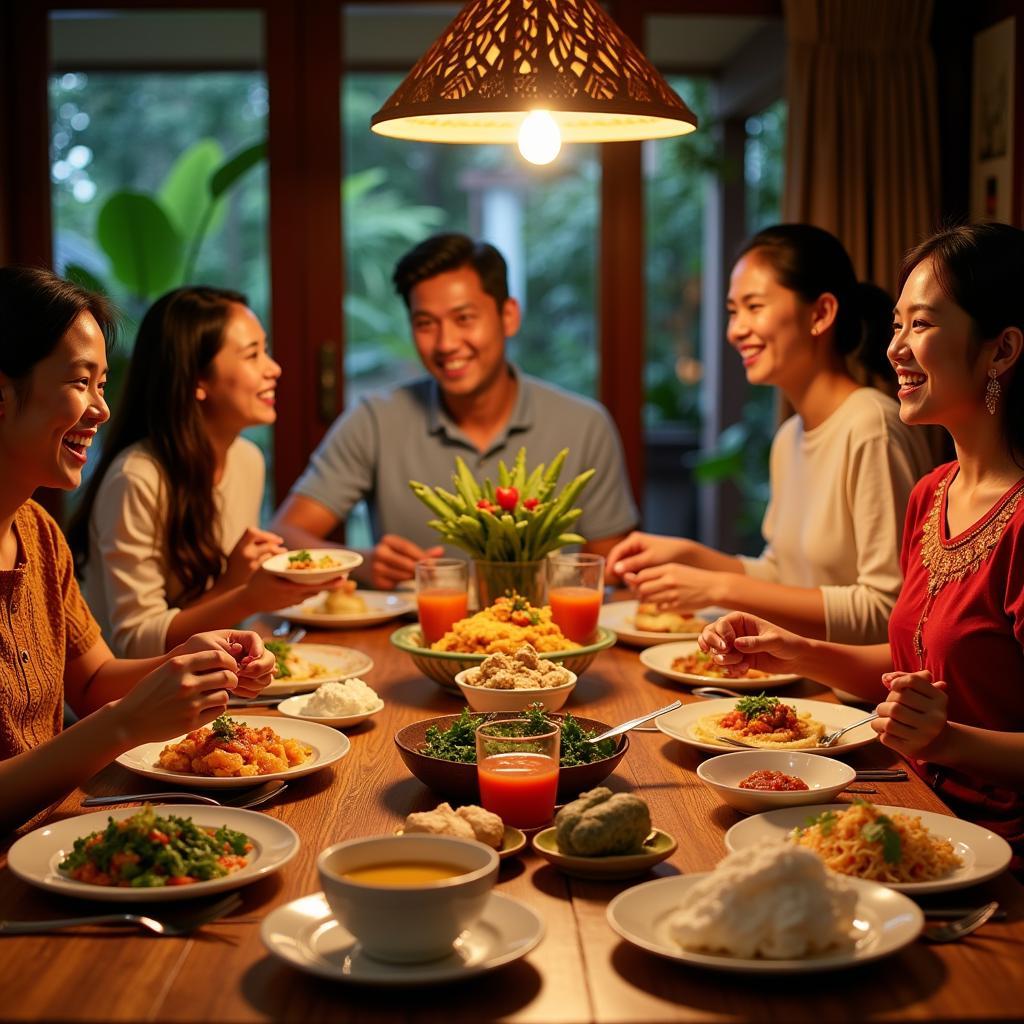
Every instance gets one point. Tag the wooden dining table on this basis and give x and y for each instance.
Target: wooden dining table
(580, 972)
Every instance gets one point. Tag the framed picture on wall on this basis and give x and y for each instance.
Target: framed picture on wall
(992, 122)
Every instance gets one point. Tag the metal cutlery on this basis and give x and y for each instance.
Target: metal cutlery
(172, 923)
(962, 926)
(255, 702)
(634, 722)
(246, 798)
(881, 775)
(950, 913)
(284, 632)
(714, 691)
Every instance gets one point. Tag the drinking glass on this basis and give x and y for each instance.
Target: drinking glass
(575, 592)
(518, 774)
(442, 597)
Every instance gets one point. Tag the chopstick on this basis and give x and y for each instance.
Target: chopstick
(882, 775)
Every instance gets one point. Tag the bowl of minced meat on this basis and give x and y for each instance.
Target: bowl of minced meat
(510, 682)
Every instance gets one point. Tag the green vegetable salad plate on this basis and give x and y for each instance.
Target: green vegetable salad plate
(441, 753)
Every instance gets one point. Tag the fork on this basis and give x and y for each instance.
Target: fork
(182, 924)
(962, 926)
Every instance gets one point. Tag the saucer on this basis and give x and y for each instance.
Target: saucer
(607, 868)
(512, 842)
(305, 934)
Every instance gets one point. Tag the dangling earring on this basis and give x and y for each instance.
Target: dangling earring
(993, 389)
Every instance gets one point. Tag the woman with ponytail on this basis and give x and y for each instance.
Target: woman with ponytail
(842, 467)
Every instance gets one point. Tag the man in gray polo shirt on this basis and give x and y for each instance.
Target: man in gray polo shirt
(474, 403)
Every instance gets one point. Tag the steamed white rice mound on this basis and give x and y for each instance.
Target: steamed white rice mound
(336, 700)
(775, 900)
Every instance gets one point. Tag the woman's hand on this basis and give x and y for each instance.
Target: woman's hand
(739, 641)
(912, 721)
(676, 586)
(252, 663)
(253, 548)
(265, 592)
(641, 551)
(186, 691)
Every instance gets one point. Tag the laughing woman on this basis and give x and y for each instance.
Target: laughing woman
(166, 535)
(52, 374)
(842, 467)
(954, 663)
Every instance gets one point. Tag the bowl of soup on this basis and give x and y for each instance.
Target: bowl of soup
(406, 899)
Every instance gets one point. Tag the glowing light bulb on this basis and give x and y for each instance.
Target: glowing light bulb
(539, 138)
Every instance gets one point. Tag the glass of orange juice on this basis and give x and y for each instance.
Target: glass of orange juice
(442, 596)
(517, 773)
(575, 592)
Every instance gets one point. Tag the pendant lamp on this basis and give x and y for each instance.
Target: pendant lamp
(561, 67)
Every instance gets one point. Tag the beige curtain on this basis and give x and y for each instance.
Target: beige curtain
(862, 153)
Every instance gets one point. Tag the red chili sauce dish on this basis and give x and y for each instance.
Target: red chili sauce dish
(769, 778)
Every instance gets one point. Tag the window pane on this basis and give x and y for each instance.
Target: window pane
(675, 176)
(132, 156)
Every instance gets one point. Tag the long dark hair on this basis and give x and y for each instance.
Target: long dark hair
(36, 309)
(811, 261)
(981, 268)
(177, 340)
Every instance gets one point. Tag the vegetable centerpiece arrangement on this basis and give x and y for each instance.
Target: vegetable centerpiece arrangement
(517, 521)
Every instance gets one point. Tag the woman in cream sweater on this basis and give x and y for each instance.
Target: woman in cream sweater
(842, 467)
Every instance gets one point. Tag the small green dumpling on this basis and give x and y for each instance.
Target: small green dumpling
(601, 823)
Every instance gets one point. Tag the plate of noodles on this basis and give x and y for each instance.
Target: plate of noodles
(643, 624)
(916, 852)
(685, 662)
(767, 723)
(238, 751)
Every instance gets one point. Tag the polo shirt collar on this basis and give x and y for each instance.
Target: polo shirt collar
(521, 418)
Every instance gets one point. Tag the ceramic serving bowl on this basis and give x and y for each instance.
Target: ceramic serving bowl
(408, 923)
(457, 782)
(444, 666)
(825, 778)
(343, 562)
(483, 698)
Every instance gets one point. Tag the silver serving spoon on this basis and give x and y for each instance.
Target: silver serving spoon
(634, 722)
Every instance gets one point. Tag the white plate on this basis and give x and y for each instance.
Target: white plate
(660, 659)
(884, 921)
(34, 857)
(306, 935)
(381, 605)
(984, 854)
(347, 561)
(292, 707)
(328, 746)
(340, 662)
(618, 616)
(679, 723)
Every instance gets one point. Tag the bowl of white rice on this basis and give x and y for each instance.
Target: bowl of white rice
(335, 704)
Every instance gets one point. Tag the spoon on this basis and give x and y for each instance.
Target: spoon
(634, 722)
(714, 691)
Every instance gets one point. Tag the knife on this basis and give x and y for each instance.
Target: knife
(243, 798)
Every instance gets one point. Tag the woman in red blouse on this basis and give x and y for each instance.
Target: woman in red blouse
(954, 664)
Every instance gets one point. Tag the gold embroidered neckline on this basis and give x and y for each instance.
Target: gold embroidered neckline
(953, 560)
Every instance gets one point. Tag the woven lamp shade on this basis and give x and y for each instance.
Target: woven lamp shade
(500, 59)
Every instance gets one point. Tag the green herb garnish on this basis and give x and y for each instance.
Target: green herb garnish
(458, 742)
(302, 555)
(520, 604)
(280, 650)
(754, 707)
(826, 821)
(882, 830)
(224, 727)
